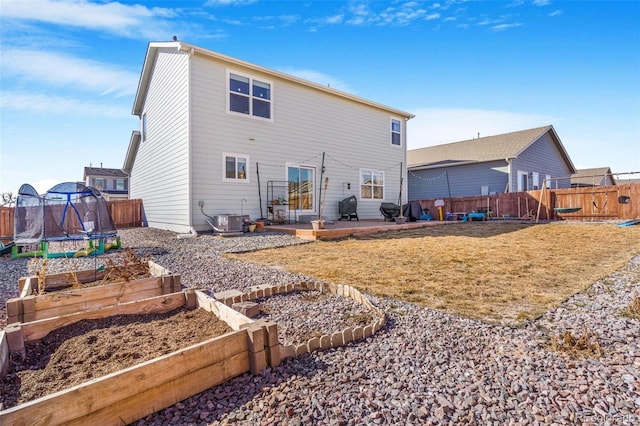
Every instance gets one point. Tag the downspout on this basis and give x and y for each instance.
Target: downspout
(192, 233)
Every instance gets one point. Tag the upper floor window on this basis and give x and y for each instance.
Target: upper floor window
(98, 183)
(396, 132)
(371, 184)
(236, 167)
(120, 184)
(249, 96)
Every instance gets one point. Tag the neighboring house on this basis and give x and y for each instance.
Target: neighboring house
(112, 183)
(600, 176)
(511, 162)
(222, 134)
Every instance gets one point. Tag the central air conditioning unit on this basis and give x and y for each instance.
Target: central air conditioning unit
(226, 223)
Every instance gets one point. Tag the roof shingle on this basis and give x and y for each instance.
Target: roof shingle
(489, 148)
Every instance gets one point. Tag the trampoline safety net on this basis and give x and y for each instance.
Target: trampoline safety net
(68, 211)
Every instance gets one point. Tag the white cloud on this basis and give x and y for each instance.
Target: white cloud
(556, 12)
(434, 126)
(229, 2)
(288, 19)
(335, 19)
(503, 27)
(42, 186)
(541, 2)
(319, 78)
(397, 14)
(60, 105)
(113, 17)
(61, 70)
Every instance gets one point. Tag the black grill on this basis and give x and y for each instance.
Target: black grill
(348, 207)
(390, 211)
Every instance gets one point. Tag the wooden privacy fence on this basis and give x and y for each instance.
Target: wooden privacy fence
(125, 214)
(6, 224)
(620, 202)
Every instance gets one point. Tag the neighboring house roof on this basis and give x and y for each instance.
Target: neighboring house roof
(589, 177)
(104, 172)
(153, 48)
(489, 148)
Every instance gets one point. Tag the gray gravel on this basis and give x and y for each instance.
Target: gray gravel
(423, 367)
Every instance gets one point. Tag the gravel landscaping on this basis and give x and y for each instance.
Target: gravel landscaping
(422, 367)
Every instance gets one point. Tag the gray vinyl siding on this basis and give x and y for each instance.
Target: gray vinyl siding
(458, 181)
(160, 175)
(306, 123)
(544, 158)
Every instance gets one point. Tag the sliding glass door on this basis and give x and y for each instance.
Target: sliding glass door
(301, 188)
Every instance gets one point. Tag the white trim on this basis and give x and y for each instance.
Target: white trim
(384, 190)
(236, 156)
(250, 96)
(535, 180)
(519, 180)
(152, 51)
(144, 126)
(315, 203)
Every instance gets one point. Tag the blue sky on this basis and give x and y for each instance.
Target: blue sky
(70, 69)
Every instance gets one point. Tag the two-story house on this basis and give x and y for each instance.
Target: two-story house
(219, 135)
(112, 183)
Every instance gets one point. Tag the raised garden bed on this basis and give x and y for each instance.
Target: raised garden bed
(51, 295)
(132, 393)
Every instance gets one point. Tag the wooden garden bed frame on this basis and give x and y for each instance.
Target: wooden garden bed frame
(61, 299)
(135, 392)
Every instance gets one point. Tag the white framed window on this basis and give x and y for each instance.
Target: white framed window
(144, 127)
(98, 183)
(249, 96)
(120, 184)
(371, 184)
(535, 180)
(235, 167)
(396, 132)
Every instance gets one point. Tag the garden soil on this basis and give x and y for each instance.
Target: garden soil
(90, 349)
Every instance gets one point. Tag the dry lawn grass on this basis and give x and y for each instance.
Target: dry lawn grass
(500, 272)
(583, 345)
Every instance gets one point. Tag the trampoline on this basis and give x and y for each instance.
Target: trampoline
(69, 211)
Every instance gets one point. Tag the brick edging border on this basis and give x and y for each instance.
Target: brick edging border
(326, 341)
